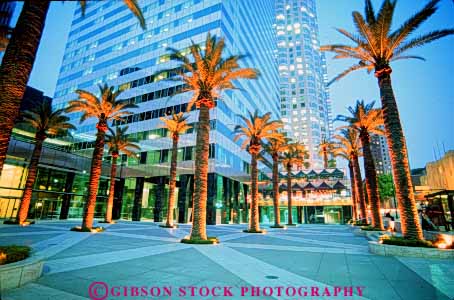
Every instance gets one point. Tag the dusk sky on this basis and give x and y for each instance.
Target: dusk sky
(424, 90)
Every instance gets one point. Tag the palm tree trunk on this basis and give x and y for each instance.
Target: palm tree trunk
(411, 227)
(359, 189)
(325, 159)
(371, 181)
(198, 231)
(172, 182)
(353, 189)
(277, 215)
(31, 177)
(113, 174)
(95, 174)
(289, 194)
(254, 222)
(17, 65)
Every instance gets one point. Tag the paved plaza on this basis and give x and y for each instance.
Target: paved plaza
(136, 254)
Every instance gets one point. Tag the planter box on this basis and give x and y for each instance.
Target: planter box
(19, 273)
(359, 232)
(392, 250)
(437, 235)
(369, 234)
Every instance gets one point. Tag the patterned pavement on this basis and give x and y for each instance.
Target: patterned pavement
(321, 260)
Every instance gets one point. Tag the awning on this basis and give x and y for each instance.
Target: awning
(324, 174)
(324, 186)
(282, 187)
(339, 186)
(309, 186)
(337, 173)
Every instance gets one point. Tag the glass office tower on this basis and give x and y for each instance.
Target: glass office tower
(304, 99)
(107, 45)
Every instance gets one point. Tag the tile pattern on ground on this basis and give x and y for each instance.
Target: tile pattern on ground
(143, 254)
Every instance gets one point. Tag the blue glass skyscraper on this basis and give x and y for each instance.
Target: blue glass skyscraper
(108, 45)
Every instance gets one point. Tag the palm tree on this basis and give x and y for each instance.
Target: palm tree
(206, 74)
(44, 122)
(17, 63)
(376, 46)
(347, 146)
(256, 130)
(324, 149)
(294, 155)
(367, 120)
(176, 125)
(274, 148)
(104, 109)
(117, 142)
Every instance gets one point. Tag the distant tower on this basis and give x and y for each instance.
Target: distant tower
(6, 14)
(379, 149)
(304, 98)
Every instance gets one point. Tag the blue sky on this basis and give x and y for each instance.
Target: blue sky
(424, 90)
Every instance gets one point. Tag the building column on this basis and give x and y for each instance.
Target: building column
(261, 212)
(66, 203)
(118, 199)
(299, 214)
(181, 201)
(246, 208)
(211, 198)
(137, 208)
(451, 209)
(226, 195)
(159, 199)
(185, 197)
(236, 200)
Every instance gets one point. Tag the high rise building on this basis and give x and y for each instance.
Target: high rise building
(6, 14)
(107, 45)
(379, 149)
(304, 99)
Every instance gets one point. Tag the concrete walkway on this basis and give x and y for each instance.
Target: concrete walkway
(324, 261)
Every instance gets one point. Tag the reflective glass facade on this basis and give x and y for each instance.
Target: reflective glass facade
(61, 185)
(108, 45)
(304, 99)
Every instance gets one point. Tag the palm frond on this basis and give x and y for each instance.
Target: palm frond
(106, 107)
(422, 40)
(366, 32)
(206, 73)
(408, 57)
(369, 13)
(46, 121)
(357, 39)
(376, 46)
(348, 71)
(364, 117)
(258, 129)
(409, 26)
(383, 24)
(118, 142)
(135, 9)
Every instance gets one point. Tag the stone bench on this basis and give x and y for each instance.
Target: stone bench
(17, 274)
(438, 235)
(370, 234)
(392, 250)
